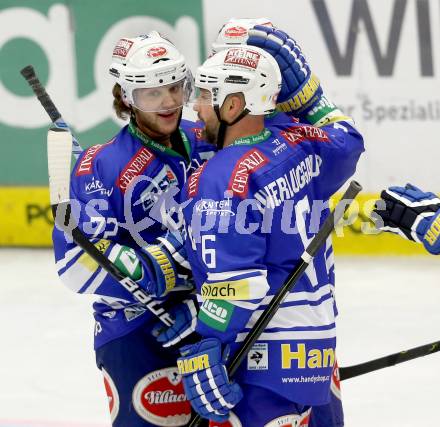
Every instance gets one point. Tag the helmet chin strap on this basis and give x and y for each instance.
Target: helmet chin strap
(176, 139)
(224, 125)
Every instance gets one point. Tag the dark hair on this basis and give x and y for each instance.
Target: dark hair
(121, 109)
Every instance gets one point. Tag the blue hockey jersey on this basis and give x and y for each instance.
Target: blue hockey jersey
(122, 197)
(251, 211)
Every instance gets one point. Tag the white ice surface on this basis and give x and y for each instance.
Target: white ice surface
(48, 376)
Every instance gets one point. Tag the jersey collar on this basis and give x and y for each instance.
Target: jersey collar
(253, 139)
(149, 143)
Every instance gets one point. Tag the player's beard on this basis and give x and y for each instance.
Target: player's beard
(210, 134)
(156, 126)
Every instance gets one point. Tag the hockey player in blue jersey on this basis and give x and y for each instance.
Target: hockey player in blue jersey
(117, 190)
(233, 33)
(411, 213)
(242, 240)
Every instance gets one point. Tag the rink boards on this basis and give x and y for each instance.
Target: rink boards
(26, 220)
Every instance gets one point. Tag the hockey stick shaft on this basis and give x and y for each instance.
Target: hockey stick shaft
(40, 92)
(348, 372)
(59, 154)
(306, 258)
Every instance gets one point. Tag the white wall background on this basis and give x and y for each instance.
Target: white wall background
(400, 147)
(48, 375)
(398, 150)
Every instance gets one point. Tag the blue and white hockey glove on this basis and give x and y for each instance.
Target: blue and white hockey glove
(206, 381)
(413, 214)
(185, 320)
(158, 268)
(300, 90)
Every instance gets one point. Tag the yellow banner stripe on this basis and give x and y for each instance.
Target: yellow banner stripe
(26, 220)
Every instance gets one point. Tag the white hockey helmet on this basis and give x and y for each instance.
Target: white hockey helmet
(235, 32)
(246, 69)
(149, 62)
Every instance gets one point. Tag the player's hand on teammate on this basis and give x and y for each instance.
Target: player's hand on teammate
(300, 89)
(411, 213)
(185, 320)
(166, 266)
(206, 381)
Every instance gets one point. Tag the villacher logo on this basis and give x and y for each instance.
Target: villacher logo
(236, 31)
(159, 398)
(157, 51)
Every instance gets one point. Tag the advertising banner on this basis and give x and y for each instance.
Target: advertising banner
(377, 60)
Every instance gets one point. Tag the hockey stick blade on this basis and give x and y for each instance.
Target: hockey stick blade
(40, 92)
(58, 157)
(306, 258)
(347, 372)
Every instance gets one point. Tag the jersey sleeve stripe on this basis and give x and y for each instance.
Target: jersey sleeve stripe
(317, 295)
(78, 275)
(291, 335)
(96, 282)
(225, 275)
(69, 256)
(303, 315)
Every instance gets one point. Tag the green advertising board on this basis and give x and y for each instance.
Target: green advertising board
(70, 43)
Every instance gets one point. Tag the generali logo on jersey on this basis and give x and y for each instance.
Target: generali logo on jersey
(85, 165)
(160, 399)
(295, 135)
(246, 165)
(157, 51)
(135, 167)
(122, 48)
(193, 182)
(236, 31)
(241, 56)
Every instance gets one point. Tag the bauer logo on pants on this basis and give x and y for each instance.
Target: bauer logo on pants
(112, 395)
(159, 398)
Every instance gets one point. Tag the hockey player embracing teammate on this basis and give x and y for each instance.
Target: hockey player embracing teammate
(119, 190)
(249, 213)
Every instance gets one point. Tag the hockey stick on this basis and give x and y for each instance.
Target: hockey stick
(59, 151)
(306, 258)
(352, 371)
(29, 74)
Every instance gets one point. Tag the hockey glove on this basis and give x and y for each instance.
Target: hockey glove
(412, 214)
(185, 320)
(206, 381)
(166, 265)
(300, 90)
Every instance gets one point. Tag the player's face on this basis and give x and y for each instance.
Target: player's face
(206, 113)
(158, 110)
